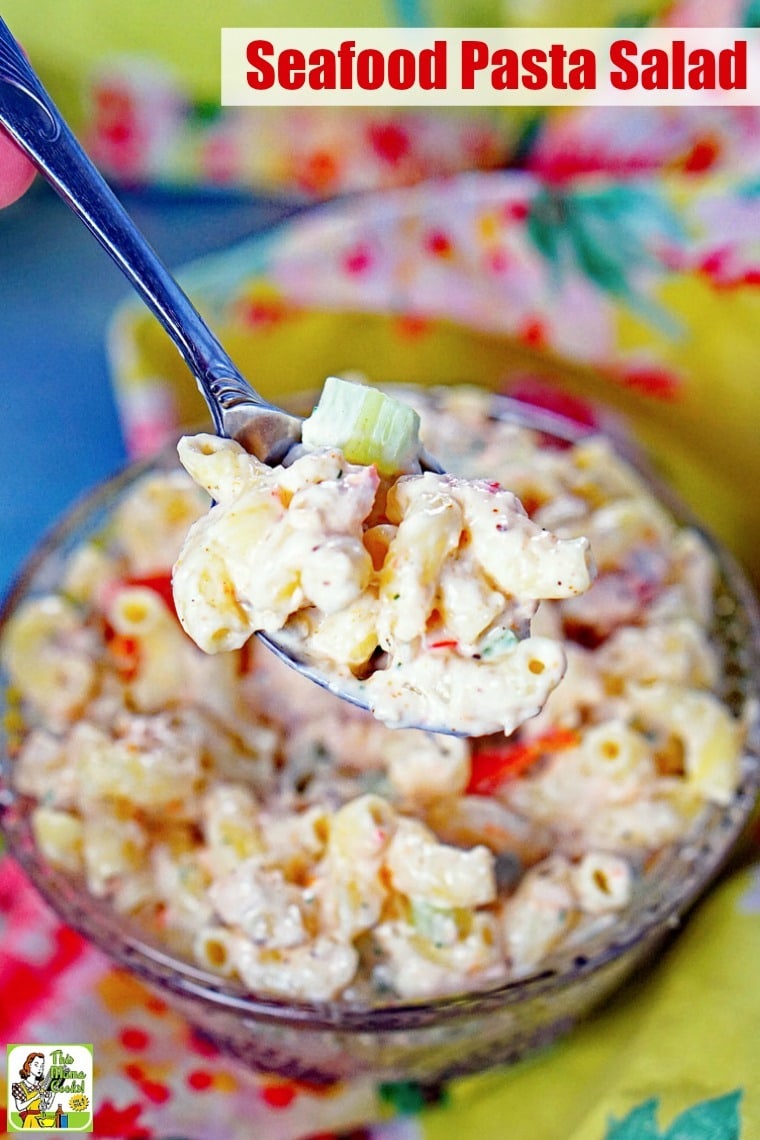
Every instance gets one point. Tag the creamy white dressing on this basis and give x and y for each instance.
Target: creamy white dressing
(414, 595)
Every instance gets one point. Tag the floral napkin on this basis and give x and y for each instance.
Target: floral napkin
(636, 295)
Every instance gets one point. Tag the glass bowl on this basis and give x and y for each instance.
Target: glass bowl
(431, 1040)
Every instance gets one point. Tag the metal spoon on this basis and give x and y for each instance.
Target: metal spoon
(32, 119)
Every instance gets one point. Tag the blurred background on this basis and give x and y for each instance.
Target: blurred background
(58, 291)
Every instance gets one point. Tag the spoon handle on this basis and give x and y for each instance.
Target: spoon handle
(32, 119)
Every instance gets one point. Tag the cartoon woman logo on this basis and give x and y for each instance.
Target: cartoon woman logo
(32, 1094)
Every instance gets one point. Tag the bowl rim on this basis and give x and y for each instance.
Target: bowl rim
(705, 849)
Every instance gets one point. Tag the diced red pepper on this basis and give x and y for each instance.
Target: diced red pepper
(246, 657)
(494, 765)
(125, 653)
(444, 643)
(160, 583)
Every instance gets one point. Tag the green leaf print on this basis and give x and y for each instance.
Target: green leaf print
(716, 1119)
(750, 18)
(639, 1124)
(612, 236)
(410, 1097)
(749, 189)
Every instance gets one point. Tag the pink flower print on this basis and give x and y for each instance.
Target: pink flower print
(390, 142)
(439, 244)
(117, 142)
(357, 260)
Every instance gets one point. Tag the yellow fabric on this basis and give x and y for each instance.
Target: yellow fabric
(685, 1031)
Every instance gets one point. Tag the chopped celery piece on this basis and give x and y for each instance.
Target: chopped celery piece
(439, 925)
(367, 425)
(497, 642)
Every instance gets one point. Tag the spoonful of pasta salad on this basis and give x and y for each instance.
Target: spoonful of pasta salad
(338, 539)
(408, 592)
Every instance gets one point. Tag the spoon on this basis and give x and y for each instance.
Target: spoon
(32, 119)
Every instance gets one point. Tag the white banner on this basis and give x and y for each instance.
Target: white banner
(470, 67)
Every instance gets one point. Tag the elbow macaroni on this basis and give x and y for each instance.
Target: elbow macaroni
(291, 842)
(439, 574)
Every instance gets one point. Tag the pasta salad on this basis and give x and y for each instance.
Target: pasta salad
(412, 591)
(281, 837)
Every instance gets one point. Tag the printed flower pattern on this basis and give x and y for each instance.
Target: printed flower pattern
(144, 126)
(643, 292)
(612, 235)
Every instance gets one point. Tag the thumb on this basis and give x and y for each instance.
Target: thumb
(16, 171)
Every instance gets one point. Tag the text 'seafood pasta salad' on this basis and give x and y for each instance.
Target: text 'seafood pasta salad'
(278, 835)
